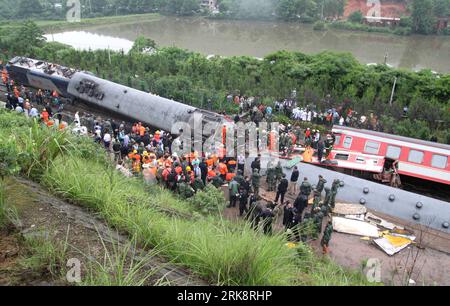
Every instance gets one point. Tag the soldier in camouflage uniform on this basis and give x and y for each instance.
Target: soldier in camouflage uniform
(318, 220)
(305, 187)
(217, 181)
(327, 237)
(335, 185)
(325, 209)
(282, 142)
(306, 227)
(256, 178)
(334, 191)
(327, 195)
(198, 184)
(185, 190)
(289, 144)
(316, 201)
(298, 133)
(278, 173)
(271, 179)
(332, 201)
(239, 178)
(321, 184)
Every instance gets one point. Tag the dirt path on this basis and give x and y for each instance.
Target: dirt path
(43, 214)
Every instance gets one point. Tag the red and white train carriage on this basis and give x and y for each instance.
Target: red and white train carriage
(375, 152)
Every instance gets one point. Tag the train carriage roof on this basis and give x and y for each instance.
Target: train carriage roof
(343, 129)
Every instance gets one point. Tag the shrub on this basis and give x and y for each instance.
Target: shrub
(356, 17)
(319, 26)
(209, 201)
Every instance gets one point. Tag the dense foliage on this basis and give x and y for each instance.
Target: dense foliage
(193, 79)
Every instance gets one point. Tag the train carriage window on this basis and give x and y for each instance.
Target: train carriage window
(372, 147)
(338, 140)
(348, 142)
(341, 156)
(415, 156)
(393, 152)
(439, 161)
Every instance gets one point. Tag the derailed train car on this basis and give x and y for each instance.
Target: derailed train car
(140, 106)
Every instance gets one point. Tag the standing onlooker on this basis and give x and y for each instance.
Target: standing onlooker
(294, 180)
(234, 193)
(282, 188)
(327, 237)
(241, 163)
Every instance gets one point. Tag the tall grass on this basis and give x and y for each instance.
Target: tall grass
(222, 254)
(8, 213)
(45, 255)
(122, 265)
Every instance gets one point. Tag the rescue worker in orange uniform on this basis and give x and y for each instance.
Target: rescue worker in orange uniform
(16, 92)
(232, 165)
(223, 170)
(141, 131)
(211, 173)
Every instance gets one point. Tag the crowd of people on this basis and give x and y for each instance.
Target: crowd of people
(342, 115)
(139, 152)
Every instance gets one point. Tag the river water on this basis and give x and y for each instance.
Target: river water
(255, 38)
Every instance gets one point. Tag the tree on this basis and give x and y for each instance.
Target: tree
(142, 44)
(30, 35)
(333, 8)
(423, 17)
(441, 8)
(28, 8)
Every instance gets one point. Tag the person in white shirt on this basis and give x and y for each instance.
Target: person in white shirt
(34, 112)
(107, 140)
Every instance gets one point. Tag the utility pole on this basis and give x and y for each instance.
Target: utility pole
(109, 55)
(386, 58)
(393, 91)
(323, 5)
